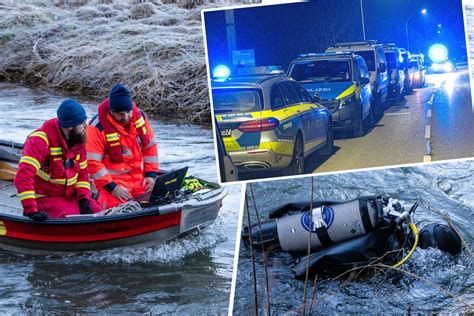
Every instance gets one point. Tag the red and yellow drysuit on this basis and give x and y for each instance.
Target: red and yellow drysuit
(120, 155)
(52, 177)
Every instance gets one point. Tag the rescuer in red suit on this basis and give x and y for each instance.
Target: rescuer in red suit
(52, 179)
(121, 150)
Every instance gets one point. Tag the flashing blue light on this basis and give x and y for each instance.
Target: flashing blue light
(438, 53)
(221, 72)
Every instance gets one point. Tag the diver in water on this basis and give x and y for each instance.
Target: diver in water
(347, 234)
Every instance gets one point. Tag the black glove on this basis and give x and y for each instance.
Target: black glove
(38, 216)
(84, 206)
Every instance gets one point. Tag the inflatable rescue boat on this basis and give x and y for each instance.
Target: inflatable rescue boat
(144, 226)
(344, 235)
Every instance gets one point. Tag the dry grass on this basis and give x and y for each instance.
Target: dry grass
(85, 47)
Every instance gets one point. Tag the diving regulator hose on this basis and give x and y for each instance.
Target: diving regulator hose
(415, 231)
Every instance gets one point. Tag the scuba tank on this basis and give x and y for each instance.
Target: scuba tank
(329, 222)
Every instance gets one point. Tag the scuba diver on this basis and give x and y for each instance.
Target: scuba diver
(347, 234)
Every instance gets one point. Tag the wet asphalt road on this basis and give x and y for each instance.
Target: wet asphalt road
(433, 123)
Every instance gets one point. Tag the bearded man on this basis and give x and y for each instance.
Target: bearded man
(52, 179)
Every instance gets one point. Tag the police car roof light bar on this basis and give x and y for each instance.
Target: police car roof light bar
(326, 54)
(362, 43)
(260, 71)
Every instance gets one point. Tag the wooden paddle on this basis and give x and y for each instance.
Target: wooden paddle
(7, 171)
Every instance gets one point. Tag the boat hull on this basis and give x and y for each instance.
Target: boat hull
(89, 233)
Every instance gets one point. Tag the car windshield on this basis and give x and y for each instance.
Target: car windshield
(322, 71)
(414, 64)
(391, 60)
(236, 100)
(369, 58)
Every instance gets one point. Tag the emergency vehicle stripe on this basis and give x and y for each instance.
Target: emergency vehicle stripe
(83, 165)
(152, 143)
(140, 122)
(26, 195)
(41, 135)
(83, 184)
(99, 174)
(56, 151)
(347, 92)
(32, 161)
(95, 156)
(150, 159)
(112, 137)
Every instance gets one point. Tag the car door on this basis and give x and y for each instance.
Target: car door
(286, 131)
(365, 90)
(294, 111)
(316, 122)
(383, 73)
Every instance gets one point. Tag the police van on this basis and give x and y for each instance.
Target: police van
(396, 87)
(269, 121)
(374, 57)
(342, 82)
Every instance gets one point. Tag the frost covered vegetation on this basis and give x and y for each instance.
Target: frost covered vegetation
(84, 47)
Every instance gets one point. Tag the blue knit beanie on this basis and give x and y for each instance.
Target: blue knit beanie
(71, 113)
(120, 99)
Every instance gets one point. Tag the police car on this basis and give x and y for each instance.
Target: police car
(269, 121)
(396, 87)
(374, 57)
(342, 81)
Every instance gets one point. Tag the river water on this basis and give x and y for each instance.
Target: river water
(446, 187)
(184, 276)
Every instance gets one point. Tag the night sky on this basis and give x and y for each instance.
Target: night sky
(278, 33)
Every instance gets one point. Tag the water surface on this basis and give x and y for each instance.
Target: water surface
(189, 275)
(440, 188)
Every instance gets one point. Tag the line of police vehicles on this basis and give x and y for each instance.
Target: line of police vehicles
(269, 120)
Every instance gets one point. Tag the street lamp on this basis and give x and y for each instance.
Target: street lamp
(424, 12)
(362, 15)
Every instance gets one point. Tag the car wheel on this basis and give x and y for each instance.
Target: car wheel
(386, 104)
(328, 148)
(369, 120)
(400, 96)
(358, 126)
(297, 163)
(378, 108)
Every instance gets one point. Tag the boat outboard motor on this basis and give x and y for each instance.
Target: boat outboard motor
(331, 222)
(440, 236)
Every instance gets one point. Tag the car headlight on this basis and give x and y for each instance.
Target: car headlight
(417, 75)
(346, 101)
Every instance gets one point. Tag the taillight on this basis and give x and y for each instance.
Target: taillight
(266, 124)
